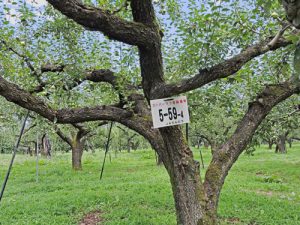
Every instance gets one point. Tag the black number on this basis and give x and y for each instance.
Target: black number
(170, 113)
(161, 115)
(175, 113)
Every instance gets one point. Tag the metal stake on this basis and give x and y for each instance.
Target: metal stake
(13, 156)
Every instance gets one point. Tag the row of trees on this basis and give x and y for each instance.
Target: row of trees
(54, 138)
(233, 62)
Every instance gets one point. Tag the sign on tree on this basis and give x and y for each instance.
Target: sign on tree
(169, 111)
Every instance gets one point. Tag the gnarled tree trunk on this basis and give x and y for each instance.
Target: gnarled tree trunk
(184, 174)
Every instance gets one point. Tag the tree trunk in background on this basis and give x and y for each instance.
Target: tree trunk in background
(128, 148)
(77, 152)
(206, 144)
(280, 145)
(36, 145)
(290, 141)
(46, 146)
(270, 143)
(135, 145)
(29, 151)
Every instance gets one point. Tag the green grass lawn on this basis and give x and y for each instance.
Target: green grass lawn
(260, 189)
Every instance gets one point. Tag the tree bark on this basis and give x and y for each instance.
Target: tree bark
(77, 152)
(280, 145)
(214, 147)
(184, 174)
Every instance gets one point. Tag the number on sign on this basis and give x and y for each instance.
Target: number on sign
(175, 113)
(170, 113)
(161, 115)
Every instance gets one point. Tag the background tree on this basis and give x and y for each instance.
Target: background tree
(77, 141)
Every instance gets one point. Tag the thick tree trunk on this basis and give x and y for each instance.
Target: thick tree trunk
(77, 151)
(184, 174)
(280, 145)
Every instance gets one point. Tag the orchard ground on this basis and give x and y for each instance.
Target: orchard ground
(260, 189)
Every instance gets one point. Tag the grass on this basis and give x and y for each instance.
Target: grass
(260, 189)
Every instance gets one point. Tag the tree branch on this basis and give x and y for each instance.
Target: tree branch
(15, 94)
(228, 153)
(140, 124)
(29, 128)
(52, 68)
(204, 137)
(224, 69)
(82, 131)
(26, 59)
(110, 25)
(62, 135)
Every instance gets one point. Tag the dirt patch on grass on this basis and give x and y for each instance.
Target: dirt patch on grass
(130, 170)
(92, 218)
(233, 220)
(259, 173)
(266, 193)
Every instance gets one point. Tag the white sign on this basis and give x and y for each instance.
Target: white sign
(169, 111)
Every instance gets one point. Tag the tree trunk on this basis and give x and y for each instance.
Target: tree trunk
(184, 174)
(206, 144)
(270, 143)
(128, 145)
(290, 141)
(280, 145)
(46, 146)
(29, 151)
(77, 151)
